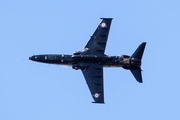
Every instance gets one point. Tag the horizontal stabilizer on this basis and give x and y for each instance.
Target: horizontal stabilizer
(139, 51)
(137, 74)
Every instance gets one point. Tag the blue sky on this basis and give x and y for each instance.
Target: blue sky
(33, 91)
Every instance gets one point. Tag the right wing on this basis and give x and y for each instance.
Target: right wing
(94, 78)
(97, 43)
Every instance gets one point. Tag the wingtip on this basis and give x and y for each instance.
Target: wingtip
(140, 81)
(107, 18)
(99, 102)
(144, 43)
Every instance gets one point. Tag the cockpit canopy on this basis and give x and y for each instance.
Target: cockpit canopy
(77, 53)
(83, 51)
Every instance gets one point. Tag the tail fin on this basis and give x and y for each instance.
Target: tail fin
(137, 55)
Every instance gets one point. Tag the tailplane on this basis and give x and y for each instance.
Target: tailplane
(137, 74)
(139, 51)
(135, 62)
(136, 57)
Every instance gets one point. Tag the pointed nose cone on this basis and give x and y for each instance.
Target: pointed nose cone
(30, 57)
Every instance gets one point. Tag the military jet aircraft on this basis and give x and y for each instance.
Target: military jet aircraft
(91, 60)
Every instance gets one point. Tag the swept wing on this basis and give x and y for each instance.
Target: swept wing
(94, 79)
(97, 43)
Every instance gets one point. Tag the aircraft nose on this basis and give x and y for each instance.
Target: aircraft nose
(30, 57)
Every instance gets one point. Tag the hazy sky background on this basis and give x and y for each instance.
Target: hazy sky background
(36, 91)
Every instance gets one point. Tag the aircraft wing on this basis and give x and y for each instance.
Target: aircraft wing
(97, 43)
(94, 78)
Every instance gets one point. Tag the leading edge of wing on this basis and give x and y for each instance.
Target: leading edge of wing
(94, 79)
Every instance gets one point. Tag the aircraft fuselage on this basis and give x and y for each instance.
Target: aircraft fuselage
(75, 60)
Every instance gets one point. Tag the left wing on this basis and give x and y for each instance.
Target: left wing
(94, 78)
(97, 43)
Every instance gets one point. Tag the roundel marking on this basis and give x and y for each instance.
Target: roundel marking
(103, 24)
(96, 95)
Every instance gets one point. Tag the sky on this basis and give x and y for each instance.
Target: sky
(37, 91)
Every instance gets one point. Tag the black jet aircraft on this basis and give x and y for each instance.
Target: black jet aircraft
(91, 60)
